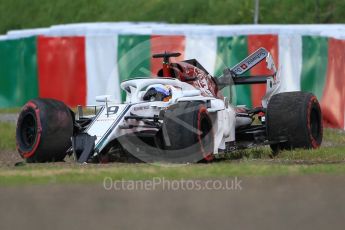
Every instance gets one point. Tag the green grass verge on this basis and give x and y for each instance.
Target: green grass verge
(251, 162)
(7, 136)
(43, 174)
(9, 110)
(330, 154)
(21, 14)
(333, 150)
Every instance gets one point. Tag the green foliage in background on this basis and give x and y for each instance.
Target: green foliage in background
(20, 14)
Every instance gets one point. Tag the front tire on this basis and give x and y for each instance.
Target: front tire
(188, 132)
(44, 130)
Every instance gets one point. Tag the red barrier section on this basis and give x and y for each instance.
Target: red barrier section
(332, 102)
(160, 44)
(62, 69)
(270, 42)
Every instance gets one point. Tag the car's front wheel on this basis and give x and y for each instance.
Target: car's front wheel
(44, 130)
(187, 132)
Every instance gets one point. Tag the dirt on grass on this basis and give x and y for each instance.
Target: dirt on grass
(9, 158)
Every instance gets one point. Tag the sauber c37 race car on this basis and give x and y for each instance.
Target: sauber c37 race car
(180, 115)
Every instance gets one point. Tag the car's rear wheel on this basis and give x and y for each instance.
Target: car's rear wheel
(294, 120)
(44, 130)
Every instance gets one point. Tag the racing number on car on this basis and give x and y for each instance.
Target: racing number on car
(112, 110)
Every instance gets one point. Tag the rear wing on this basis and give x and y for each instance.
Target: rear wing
(235, 76)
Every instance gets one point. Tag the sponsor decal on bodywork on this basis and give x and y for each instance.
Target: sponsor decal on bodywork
(250, 61)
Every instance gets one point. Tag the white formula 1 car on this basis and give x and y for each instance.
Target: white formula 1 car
(179, 115)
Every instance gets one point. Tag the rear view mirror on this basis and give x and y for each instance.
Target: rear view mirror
(103, 98)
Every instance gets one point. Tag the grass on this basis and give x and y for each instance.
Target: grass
(22, 14)
(329, 154)
(333, 150)
(252, 162)
(7, 136)
(48, 174)
(9, 110)
(334, 137)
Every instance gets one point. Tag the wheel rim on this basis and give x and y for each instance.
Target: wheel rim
(28, 132)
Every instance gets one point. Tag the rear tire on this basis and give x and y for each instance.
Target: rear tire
(295, 117)
(44, 130)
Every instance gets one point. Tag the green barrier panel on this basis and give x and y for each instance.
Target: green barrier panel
(230, 51)
(314, 64)
(18, 72)
(134, 55)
